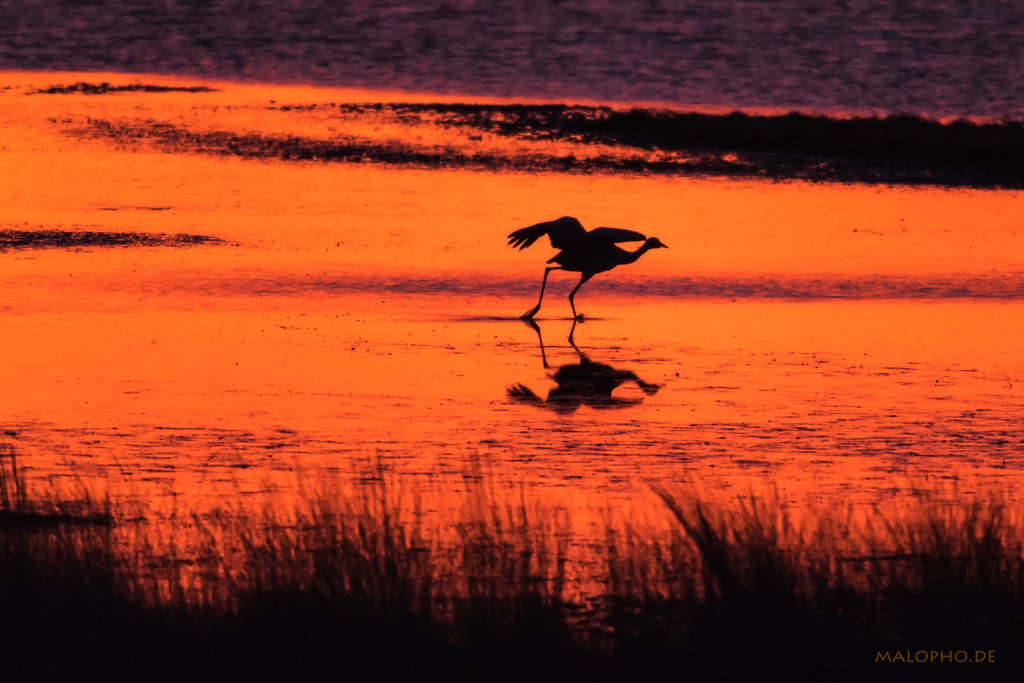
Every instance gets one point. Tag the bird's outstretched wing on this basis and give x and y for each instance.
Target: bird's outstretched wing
(613, 235)
(562, 232)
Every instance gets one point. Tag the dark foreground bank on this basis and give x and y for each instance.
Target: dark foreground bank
(356, 585)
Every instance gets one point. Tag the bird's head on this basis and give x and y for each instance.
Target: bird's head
(654, 243)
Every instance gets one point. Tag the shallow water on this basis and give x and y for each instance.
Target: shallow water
(838, 340)
(819, 396)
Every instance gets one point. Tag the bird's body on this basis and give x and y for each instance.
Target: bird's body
(593, 256)
(581, 251)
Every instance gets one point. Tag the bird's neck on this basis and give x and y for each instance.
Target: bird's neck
(632, 256)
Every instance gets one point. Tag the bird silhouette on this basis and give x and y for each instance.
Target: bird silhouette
(585, 383)
(582, 251)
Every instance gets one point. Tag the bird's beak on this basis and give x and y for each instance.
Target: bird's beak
(664, 246)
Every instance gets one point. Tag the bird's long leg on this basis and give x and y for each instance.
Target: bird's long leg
(575, 315)
(533, 311)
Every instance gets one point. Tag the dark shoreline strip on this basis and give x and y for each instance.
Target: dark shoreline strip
(68, 239)
(105, 88)
(898, 150)
(899, 137)
(173, 138)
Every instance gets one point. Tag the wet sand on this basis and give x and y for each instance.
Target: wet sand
(352, 311)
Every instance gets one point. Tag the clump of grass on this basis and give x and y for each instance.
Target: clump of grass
(363, 565)
(728, 592)
(953, 571)
(18, 508)
(61, 580)
(347, 572)
(759, 587)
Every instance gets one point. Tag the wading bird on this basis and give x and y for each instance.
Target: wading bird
(585, 252)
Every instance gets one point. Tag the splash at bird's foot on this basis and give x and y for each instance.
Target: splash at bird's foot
(529, 314)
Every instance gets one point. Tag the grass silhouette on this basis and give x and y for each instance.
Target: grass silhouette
(355, 581)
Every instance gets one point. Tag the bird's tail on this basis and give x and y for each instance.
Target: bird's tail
(524, 237)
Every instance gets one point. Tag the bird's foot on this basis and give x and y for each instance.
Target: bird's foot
(529, 314)
(579, 318)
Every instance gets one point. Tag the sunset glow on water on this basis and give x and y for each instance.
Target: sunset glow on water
(827, 338)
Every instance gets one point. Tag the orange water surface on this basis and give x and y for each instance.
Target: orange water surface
(360, 311)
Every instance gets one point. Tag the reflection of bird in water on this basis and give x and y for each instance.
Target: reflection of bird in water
(587, 253)
(584, 383)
